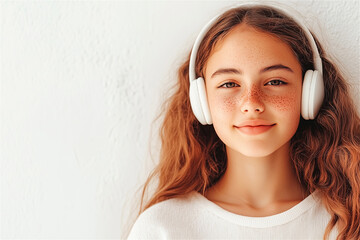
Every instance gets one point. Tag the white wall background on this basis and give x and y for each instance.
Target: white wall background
(82, 81)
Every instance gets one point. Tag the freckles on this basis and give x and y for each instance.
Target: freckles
(256, 93)
(228, 104)
(283, 103)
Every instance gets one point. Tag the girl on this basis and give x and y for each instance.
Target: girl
(278, 154)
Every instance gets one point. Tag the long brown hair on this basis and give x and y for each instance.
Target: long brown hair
(324, 151)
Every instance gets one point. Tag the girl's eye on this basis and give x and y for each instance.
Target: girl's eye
(276, 82)
(229, 85)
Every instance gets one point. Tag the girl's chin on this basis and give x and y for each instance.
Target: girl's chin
(252, 151)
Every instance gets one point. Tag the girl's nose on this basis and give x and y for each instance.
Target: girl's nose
(252, 101)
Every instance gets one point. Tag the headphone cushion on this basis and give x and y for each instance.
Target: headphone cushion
(195, 102)
(316, 94)
(306, 94)
(198, 101)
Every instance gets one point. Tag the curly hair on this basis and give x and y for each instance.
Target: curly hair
(324, 151)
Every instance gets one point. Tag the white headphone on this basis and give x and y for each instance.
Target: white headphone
(313, 85)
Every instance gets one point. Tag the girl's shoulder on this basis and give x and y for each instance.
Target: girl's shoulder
(151, 223)
(169, 207)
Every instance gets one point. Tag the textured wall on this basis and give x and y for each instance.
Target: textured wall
(82, 81)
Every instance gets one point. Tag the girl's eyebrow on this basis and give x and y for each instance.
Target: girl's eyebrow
(275, 67)
(238, 71)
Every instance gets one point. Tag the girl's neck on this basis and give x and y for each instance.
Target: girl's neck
(258, 181)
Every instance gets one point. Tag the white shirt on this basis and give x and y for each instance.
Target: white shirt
(195, 217)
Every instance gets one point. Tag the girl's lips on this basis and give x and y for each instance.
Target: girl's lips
(254, 127)
(254, 123)
(254, 130)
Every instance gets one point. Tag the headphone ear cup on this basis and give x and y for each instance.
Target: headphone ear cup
(198, 101)
(312, 94)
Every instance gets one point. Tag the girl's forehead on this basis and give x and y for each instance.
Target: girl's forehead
(247, 45)
(244, 37)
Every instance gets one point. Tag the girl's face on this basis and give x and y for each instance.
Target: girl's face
(253, 84)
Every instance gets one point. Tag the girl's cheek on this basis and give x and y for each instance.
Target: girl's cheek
(284, 103)
(222, 103)
(228, 104)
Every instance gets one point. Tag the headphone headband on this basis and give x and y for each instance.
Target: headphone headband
(206, 28)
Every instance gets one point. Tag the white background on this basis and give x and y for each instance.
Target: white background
(82, 82)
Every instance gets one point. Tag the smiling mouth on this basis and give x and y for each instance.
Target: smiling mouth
(254, 130)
